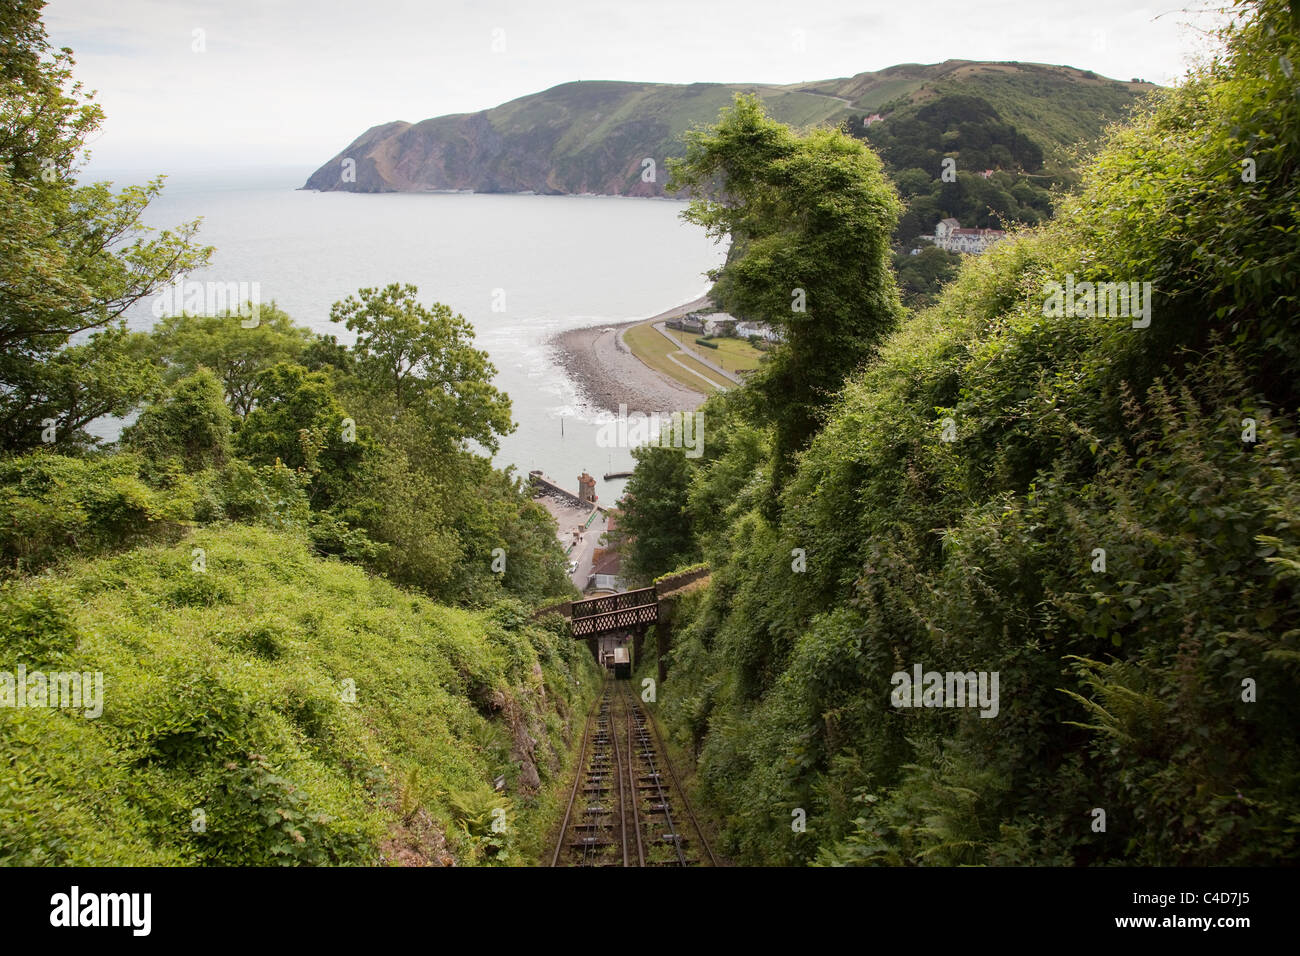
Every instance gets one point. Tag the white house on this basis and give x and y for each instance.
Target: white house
(950, 235)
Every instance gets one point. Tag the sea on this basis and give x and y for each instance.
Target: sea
(520, 268)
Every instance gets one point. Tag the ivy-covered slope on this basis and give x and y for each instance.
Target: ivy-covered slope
(1106, 516)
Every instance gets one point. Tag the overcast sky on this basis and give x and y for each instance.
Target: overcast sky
(294, 81)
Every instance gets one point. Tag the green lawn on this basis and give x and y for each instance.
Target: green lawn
(735, 355)
(653, 349)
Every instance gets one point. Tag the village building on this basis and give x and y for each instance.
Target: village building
(587, 488)
(688, 323)
(950, 235)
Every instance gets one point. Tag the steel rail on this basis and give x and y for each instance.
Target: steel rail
(577, 782)
(654, 727)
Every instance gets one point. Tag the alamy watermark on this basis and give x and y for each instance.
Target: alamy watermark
(950, 689)
(63, 690)
(683, 430)
(1104, 300)
(243, 299)
(130, 910)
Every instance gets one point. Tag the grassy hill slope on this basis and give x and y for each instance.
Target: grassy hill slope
(1052, 105)
(592, 137)
(228, 736)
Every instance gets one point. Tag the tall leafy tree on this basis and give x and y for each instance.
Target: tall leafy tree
(238, 355)
(421, 360)
(73, 258)
(656, 517)
(809, 217)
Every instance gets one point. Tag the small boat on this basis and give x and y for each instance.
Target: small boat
(617, 474)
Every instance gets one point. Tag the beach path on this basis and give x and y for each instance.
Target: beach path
(659, 327)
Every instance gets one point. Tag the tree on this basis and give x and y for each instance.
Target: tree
(810, 218)
(299, 421)
(655, 515)
(191, 422)
(324, 352)
(420, 360)
(54, 400)
(238, 355)
(72, 258)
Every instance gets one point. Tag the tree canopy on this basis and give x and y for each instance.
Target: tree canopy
(810, 218)
(419, 359)
(73, 257)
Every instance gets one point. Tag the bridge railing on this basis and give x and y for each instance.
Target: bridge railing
(614, 602)
(622, 619)
(616, 611)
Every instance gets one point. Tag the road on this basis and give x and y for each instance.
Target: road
(582, 553)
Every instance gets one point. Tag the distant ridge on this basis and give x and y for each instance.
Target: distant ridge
(594, 136)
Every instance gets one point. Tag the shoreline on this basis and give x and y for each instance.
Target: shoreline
(607, 373)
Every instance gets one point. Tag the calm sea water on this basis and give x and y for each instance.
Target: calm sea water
(555, 263)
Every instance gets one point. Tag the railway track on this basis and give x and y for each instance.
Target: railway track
(627, 807)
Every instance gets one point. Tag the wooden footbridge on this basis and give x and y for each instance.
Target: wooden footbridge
(624, 611)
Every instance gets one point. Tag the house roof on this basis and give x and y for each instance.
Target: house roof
(606, 561)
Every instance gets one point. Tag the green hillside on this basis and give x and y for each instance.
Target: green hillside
(1053, 105)
(285, 617)
(1095, 513)
(592, 137)
(362, 722)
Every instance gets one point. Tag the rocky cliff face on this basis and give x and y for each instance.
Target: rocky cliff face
(544, 147)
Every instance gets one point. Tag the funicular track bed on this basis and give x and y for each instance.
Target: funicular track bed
(627, 807)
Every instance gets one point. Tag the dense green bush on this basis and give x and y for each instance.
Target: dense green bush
(190, 422)
(53, 506)
(261, 494)
(953, 510)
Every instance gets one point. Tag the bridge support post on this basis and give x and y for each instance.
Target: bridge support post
(638, 639)
(592, 644)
